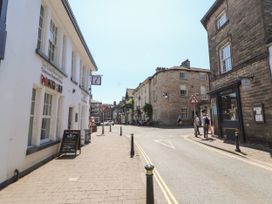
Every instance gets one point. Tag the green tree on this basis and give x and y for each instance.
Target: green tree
(148, 110)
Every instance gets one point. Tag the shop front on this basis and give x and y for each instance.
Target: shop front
(227, 112)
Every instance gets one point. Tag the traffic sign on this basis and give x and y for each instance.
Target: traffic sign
(193, 99)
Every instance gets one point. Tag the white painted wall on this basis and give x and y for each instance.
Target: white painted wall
(20, 71)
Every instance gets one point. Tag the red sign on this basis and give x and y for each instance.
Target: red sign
(103, 108)
(193, 99)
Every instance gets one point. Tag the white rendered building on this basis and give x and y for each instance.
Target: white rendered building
(44, 78)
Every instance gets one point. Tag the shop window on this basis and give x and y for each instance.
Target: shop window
(46, 117)
(52, 50)
(41, 28)
(184, 113)
(229, 107)
(31, 119)
(225, 58)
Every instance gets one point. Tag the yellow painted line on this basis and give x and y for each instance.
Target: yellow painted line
(248, 161)
(164, 188)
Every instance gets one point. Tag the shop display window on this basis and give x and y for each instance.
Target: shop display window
(229, 107)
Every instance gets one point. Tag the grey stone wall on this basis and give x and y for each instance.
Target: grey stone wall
(166, 110)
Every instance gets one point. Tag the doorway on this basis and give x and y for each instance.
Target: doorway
(70, 118)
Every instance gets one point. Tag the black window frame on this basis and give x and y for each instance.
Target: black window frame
(3, 32)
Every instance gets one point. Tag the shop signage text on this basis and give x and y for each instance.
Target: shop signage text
(51, 84)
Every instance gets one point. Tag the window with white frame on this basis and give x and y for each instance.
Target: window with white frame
(202, 76)
(31, 119)
(81, 75)
(64, 49)
(184, 113)
(73, 68)
(52, 49)
(183, 75)
(222, 19)
(46, 117)
(183, 90)
(40, 30)
(203, 92)
(225, 58)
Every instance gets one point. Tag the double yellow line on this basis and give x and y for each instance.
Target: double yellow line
(165, 190)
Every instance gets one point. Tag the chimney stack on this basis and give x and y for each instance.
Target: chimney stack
(186, 63)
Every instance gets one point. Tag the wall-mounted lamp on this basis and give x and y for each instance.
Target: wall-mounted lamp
(165, 95)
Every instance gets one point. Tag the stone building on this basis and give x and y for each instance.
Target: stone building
(141, 97)
(171, 92)
(240, 39)
(44, 77)
(95, 110)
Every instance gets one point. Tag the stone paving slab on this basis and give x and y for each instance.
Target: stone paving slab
(254, 153)
(102, 173)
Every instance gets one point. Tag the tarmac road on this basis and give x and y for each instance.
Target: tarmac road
(197, 174)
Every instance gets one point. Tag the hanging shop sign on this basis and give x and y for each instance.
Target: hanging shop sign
(258, 112)
(96, 79)
(51, 84)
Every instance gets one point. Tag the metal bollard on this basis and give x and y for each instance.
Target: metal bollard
(237, 141)
(121, 131)
(132, 146)
(103, 129)
(149, 184)
(110, 128)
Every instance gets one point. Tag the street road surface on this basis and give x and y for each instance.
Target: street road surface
(197, 174)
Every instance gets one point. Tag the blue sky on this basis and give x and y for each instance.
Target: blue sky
(130, 38)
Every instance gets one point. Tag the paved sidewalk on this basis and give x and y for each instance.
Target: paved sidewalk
(102, 173)
(254, 153)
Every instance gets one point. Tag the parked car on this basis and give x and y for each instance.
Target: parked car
(111, 122)
(104, 123)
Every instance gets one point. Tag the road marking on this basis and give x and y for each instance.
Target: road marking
(166, 143)
(164, 188)
(247, 160)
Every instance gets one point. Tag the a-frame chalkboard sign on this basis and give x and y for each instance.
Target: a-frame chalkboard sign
(70, 142)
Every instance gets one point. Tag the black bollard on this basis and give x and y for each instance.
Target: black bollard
(121, 131)
(110, 128)
(103, 129)
(149, 184)
(237, 141)
(132, 146)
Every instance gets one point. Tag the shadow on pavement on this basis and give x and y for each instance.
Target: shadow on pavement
(67, 156)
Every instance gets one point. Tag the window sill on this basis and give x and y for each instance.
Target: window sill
(74, 82)
(33, 149)
(43, 56)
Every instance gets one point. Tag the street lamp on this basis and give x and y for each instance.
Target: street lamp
(165, 95)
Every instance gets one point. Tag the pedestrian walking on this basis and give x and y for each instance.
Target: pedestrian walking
(196, 125)
(206, 124)
(179, 120)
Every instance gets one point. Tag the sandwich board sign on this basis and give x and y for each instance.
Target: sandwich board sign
(70, 142)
